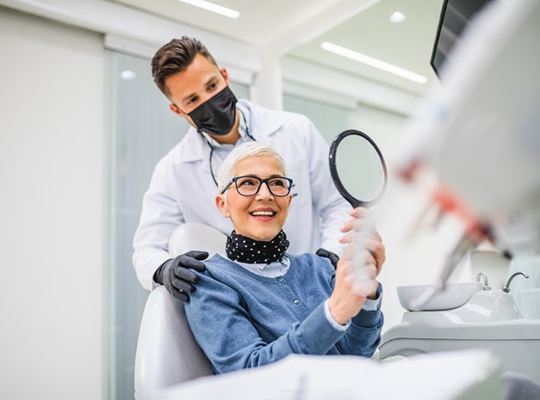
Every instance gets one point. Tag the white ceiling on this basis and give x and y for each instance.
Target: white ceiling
(299, 26)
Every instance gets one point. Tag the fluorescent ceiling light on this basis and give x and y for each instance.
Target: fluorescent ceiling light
(228, 12)
(373, 62)
(397, 17)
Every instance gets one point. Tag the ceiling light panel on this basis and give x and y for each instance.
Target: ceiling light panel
(396, 17)
(215, 8)
(373, 62)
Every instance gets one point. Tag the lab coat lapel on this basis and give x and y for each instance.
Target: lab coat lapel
(264, 122)
(195, 149)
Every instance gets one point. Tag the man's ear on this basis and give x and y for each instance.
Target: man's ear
(221, 204)
(175, 109)
(225, 74)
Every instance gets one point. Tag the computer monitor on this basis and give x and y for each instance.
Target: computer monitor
(455, 16)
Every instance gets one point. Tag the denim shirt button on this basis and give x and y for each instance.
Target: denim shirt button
(296, 301)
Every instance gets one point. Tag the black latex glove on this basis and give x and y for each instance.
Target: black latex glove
(333, 257)
(176, 276)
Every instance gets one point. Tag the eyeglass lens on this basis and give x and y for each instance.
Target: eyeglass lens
(249, 186)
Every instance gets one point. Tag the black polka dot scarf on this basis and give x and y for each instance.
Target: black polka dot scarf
(243, 249)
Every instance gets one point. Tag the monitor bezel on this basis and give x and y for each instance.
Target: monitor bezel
(437, 37)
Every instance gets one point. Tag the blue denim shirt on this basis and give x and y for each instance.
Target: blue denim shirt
(243, 320)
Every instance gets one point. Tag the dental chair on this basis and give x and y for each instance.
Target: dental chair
(167, 353)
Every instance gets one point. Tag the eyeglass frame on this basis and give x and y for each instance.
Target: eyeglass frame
(261, 181)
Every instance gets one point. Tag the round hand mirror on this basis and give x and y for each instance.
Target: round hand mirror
(358, 168)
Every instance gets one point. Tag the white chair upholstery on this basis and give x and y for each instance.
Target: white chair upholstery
(167, 353)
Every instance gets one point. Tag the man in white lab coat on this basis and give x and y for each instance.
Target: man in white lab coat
(183, 185)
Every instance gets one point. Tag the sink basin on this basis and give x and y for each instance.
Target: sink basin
(455, 295)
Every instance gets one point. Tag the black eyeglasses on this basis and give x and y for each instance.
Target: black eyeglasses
(250, 185)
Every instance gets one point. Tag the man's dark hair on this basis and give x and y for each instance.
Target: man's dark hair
(174, 57)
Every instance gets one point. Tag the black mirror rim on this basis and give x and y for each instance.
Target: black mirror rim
(335, 176)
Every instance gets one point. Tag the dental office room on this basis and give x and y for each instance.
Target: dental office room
(348, 190)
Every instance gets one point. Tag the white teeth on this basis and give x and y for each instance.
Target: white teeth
(263, 213)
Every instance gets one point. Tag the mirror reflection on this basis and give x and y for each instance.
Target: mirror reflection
(358, 168)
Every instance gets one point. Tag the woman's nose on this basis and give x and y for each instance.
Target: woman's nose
(264, 192)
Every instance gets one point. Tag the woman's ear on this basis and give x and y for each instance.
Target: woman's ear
(221, 204)
(288, 205)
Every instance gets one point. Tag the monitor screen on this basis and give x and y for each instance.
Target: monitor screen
(455, 16)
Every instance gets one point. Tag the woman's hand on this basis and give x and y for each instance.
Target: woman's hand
(351, 290)
(357, 270)
(361, 230)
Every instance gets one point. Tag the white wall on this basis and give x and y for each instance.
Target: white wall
(51, 209)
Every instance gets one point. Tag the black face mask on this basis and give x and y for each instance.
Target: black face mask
(216, 115)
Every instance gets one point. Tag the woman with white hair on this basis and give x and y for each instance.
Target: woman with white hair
(257, 304)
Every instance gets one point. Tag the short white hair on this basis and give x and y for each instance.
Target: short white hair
(241, 152)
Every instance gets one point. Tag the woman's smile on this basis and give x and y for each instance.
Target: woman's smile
(263, 214)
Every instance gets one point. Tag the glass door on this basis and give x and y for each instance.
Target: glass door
(142, 130)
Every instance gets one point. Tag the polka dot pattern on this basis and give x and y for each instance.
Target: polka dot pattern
(243, 249)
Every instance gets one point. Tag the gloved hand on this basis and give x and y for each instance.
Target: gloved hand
(176, 276)
(333, 257)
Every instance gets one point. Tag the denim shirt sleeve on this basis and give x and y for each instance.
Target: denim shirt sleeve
(223, 329)
(364, 334)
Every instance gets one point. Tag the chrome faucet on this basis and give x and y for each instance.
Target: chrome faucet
(484, 278)
(506, 288)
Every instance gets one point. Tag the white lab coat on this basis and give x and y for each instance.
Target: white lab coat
(182, 190)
